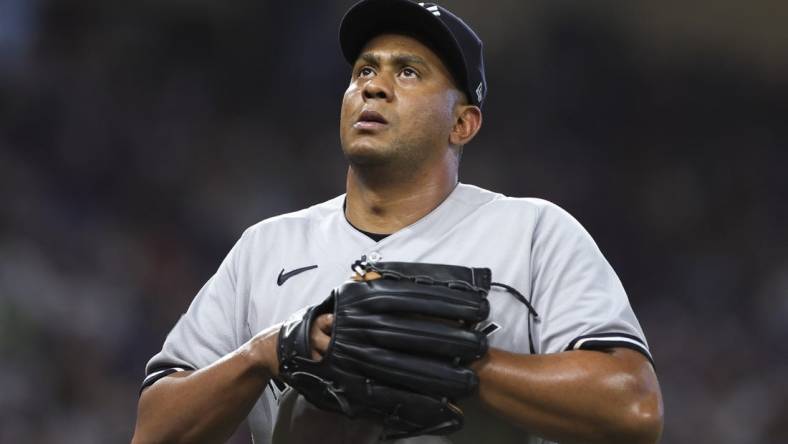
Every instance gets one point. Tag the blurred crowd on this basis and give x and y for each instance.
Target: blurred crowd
(139, 139)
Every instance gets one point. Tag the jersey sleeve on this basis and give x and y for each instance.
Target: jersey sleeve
(208, 330)
(579, 298)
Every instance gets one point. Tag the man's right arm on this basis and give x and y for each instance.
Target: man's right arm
(208, 404)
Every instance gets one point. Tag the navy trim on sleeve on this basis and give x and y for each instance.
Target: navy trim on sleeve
(160, 373)
(603, 341)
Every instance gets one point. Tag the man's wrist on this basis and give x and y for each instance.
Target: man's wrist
(262, 353)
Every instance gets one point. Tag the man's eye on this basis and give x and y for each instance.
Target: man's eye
(409, 72)
(365, 71)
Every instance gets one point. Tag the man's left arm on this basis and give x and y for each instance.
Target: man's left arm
(590, 377)
(578, 396)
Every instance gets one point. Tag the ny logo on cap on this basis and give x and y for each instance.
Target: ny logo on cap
(432, 7)
(479, 92)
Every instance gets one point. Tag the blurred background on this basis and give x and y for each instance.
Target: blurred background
(138, 140)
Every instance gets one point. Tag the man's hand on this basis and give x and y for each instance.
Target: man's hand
(320, 335)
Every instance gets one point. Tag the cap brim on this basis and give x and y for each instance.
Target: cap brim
(369, 18)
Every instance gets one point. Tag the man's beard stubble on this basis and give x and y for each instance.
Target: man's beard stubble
(397, 162)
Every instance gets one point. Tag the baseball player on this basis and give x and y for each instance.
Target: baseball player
(572, 366)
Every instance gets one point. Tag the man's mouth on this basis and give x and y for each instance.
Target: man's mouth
(370, 120)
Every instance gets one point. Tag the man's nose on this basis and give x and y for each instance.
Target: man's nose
(378, 88)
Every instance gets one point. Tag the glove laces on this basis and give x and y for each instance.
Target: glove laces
(361, 267)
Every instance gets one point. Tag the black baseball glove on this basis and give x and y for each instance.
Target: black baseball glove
(399, 348)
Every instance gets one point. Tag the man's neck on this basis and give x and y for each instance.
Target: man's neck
(387, 206)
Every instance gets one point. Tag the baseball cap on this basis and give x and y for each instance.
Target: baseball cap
(451, 38)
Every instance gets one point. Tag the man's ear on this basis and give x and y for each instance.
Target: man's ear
(466, 125)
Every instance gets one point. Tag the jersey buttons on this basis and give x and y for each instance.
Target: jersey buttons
(374, 256)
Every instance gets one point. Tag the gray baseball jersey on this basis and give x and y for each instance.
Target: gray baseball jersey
(286, 263)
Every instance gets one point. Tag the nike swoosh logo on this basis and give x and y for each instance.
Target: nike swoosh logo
(285, 276)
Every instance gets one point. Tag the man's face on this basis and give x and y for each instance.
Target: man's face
(399, 106)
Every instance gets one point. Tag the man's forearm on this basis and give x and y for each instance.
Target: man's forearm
(576, 396)
(206, 405)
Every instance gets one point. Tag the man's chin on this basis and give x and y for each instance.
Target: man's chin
(367, 155)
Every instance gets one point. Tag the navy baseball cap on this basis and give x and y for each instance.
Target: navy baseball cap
(451, 38)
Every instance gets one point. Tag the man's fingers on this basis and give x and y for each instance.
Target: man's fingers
(324, 322)
(319, 335)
